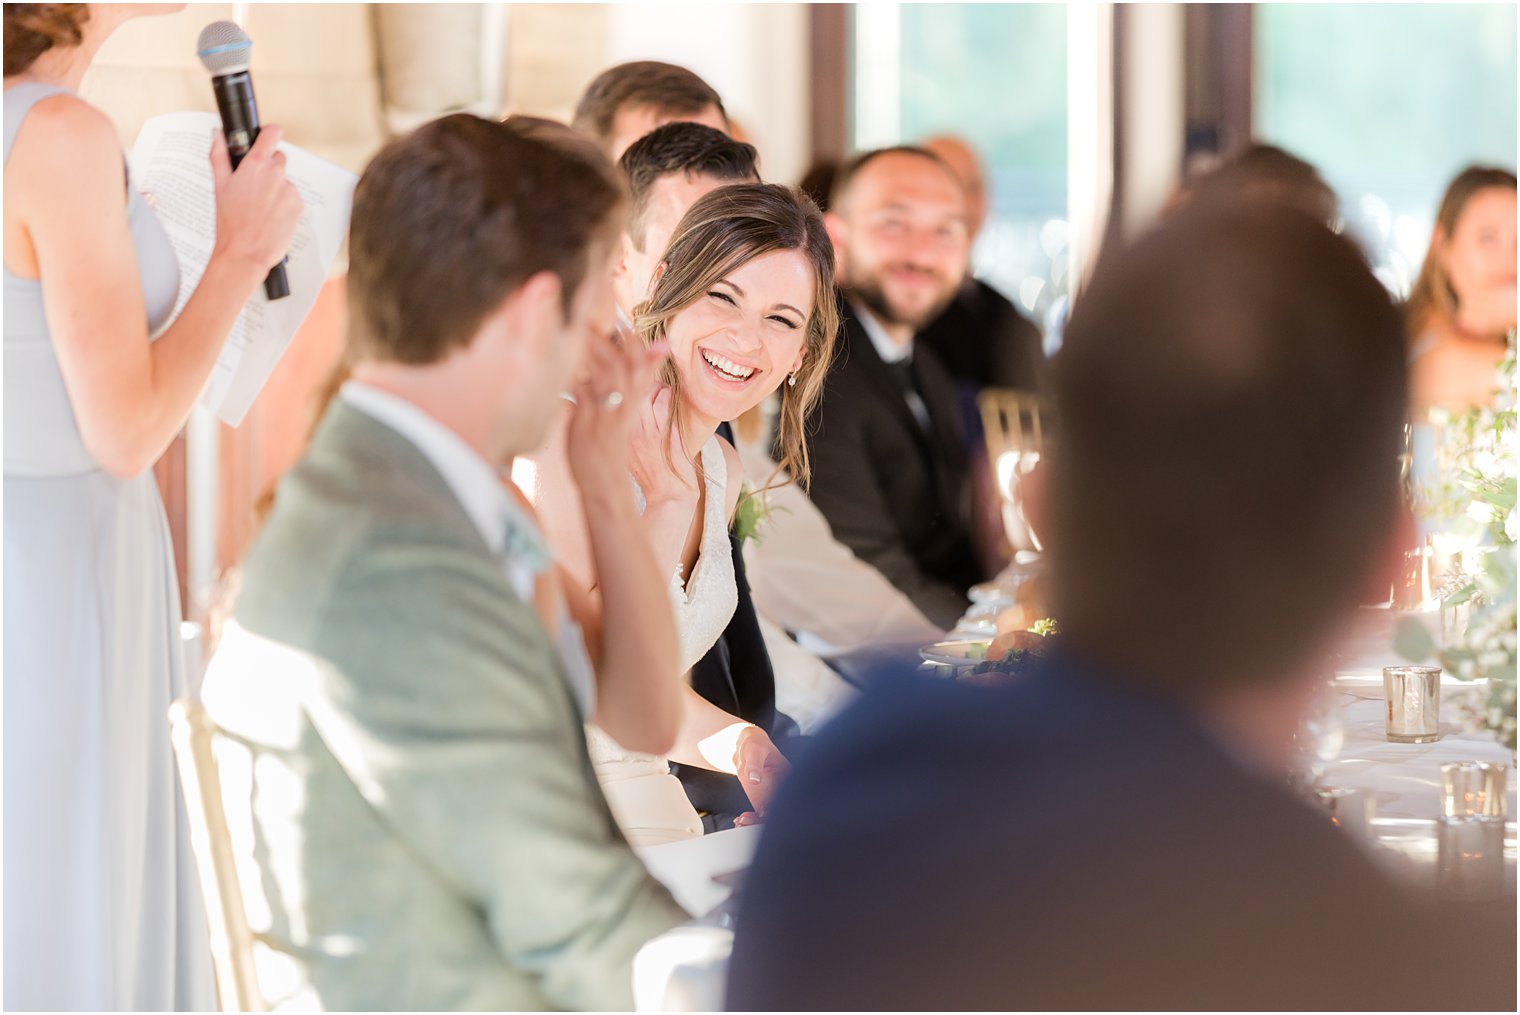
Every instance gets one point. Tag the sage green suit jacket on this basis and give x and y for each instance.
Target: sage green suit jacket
(426, 821)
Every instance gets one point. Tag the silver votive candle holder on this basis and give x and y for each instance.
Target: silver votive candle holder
(1413, 696)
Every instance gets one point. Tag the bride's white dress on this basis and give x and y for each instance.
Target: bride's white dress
(648, 802)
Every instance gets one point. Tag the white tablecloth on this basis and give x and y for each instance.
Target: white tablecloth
(684, 969)
(1404, 779)
(687, 866)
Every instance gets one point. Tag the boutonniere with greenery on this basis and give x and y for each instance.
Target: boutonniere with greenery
(752, 515)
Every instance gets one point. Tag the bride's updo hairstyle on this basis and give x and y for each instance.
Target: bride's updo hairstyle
(33, 29)
(722, 232)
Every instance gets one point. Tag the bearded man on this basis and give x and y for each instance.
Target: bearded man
(890, 468)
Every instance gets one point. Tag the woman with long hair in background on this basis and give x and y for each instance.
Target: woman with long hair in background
(1461, 311)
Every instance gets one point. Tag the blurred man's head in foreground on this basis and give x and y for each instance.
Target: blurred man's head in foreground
(628, 101)
(1224, 494)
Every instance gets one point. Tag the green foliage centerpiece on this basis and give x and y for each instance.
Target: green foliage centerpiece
(1477, 494)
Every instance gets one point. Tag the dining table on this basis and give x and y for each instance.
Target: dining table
(1348, 748)
(1403, 780)
(683, 969)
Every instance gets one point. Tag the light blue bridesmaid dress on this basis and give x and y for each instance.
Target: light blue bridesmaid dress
(102, 909)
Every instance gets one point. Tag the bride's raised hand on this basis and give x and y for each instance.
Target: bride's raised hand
(658, 456)
(617, 380)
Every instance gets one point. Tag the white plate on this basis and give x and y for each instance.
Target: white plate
(956, 653)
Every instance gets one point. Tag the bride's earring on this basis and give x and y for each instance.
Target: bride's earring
(791, 380)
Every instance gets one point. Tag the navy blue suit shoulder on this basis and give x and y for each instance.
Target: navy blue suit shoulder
(1068, 842)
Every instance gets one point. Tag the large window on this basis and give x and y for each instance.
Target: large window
(1390, 101)
(994, 74)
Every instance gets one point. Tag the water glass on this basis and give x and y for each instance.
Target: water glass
(1474, 790)
(1470, 844)
(1349, 808)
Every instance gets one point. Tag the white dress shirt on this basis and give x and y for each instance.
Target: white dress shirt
(886, 346)
(477, 486)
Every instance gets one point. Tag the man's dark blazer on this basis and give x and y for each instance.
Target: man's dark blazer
(736, 676)
(894, 494)
(984, 341)
(1075, 842)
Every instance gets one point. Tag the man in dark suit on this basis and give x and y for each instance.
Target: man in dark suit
(1113, 830)
(985, 342)
(890, 465)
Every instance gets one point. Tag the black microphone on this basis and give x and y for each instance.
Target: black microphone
(224, 49)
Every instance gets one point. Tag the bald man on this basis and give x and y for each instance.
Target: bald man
(981, 336)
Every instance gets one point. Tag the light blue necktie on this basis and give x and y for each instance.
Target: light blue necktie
(524, 543)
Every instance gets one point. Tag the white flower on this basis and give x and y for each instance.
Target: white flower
(1480, 512)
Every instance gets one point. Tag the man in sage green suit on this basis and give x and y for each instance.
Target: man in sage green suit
(427, 825)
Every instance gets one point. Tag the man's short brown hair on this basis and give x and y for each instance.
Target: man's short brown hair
(641, 83)
(451, 218)
(681, 147)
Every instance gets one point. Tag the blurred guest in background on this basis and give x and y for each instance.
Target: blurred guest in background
(102, 910)
(1268, 173)
(1461, 312)
(1114, 832)
(889, 452)
(628, 101)
(818, 182)
(399, 662)
(981, 337)
(985, 342)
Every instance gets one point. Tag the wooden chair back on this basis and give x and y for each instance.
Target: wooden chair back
(232, 939)
(1015, 427)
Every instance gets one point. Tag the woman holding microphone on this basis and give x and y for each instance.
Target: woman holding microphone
(101, 905)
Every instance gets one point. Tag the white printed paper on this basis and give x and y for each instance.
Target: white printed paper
(171, 164)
